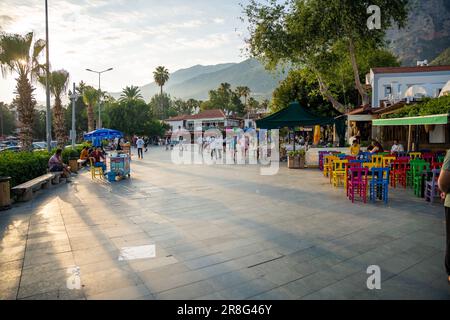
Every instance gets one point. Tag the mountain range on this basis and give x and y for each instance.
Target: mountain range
(195, 82)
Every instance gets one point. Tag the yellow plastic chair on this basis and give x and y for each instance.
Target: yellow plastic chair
(328, 165)
(339, 172)
(414, 155)
(95, 171)
(377, 160)
(387, 161)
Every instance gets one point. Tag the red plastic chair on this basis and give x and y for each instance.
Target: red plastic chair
(436, 165)
(357, 183)
(428, 157)
(398, 173)
(347, 167)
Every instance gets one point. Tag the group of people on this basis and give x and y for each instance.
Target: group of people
(375, 147)
(97, 154)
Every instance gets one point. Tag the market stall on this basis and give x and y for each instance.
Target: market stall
(120, 166)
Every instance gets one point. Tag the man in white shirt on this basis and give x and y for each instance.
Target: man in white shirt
(397, 147)
(140, 146)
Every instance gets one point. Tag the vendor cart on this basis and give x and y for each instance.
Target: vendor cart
(119, 167)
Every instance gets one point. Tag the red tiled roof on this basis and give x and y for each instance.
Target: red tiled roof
(410, 69)
(178, 118)
(208, 114)
(361, 110)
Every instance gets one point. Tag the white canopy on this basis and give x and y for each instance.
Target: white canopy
(445, 90)
(417, 91)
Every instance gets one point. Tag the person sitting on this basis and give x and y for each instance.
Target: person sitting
(397, 147)
(56, 164)
(98, 156)
(84, 155)
(376, 147)
(355, 148)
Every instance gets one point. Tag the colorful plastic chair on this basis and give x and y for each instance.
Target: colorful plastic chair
(436, 165)
(387, 161)
(365, 156)
(379, 184)
(431, 187)
(338, 175)
(357, 183)
(409, 173)
(348, 166)
(377, 160)
(428, 157)
(417, 170)
(414, 155)
(398, 173)
(95, 171)
(328, 165)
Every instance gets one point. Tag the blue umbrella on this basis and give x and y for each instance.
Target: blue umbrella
(103, 134)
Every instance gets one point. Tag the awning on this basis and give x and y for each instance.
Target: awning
(292, 116)
(422, 120)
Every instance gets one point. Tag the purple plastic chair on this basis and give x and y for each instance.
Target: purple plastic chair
(431, 187)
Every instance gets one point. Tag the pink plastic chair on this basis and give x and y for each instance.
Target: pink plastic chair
(357, 183)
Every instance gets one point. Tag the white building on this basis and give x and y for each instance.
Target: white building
(393, 84)
(207, 119)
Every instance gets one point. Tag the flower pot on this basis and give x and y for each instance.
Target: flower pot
(294, 162)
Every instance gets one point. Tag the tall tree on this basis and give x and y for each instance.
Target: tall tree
(305, 32)
(90, 98)
(131, 94)
(243, 91)
(58, 82)
(7, 120)
(161, 76)
(20, 54)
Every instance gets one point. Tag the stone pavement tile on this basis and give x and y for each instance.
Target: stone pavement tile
(258, 258)
(99, 254)
(47, 245)
(47, 250)
(60, 294)
(43, 285)
(163, 272)
(32, 276)
(275, 294)
(153, 263)
(310, 283)
(341, 290)
(8, 254)
(108, 280)
(188, 292)
(206, 261)
(247, 290)
(127, 293)
(32, 260)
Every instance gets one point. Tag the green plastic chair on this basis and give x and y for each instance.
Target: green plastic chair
(417, 169)
(409, 173)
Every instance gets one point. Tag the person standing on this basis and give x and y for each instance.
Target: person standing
(444, 186)
(140, 147)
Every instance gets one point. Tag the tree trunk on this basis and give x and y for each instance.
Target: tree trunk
(58, 122)
(25, 104)
(90, 115)
(362, 91)
(326, 93)
(161, 106)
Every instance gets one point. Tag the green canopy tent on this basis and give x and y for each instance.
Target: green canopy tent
(295, 115)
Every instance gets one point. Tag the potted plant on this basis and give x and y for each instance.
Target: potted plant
(296, 159)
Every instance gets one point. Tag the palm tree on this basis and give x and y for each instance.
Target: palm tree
(131, 94)
(58, 83)
(20, 55)
(243, 92)
(161, 76)
(90, 97)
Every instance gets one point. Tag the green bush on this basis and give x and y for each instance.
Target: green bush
(300, 153)
(23, 166)
(428, 106)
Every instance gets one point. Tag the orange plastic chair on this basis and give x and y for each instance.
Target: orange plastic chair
(377, 160)
(387, 161)
(414, 155)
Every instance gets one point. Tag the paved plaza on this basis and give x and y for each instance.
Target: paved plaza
(220, 232)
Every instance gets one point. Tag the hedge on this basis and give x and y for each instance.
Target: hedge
(25, 166)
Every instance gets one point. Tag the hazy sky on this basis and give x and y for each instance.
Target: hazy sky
(132, 36)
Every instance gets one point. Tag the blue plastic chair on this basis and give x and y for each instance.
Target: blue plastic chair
(366, 156)
(379, 184)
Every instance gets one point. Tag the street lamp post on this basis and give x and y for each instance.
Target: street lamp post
(99, 92)
(74, 97)
(48, 119)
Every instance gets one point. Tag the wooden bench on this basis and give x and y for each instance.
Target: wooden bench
(24, 191)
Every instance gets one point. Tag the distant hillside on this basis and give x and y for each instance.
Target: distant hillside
(197, 81)
(443, 59)
(427, 33)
